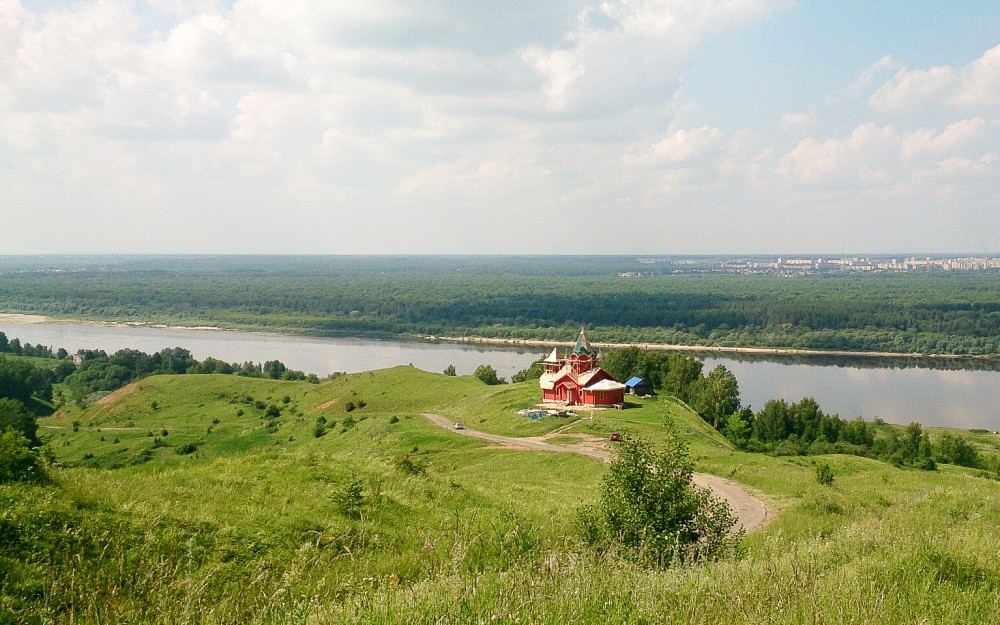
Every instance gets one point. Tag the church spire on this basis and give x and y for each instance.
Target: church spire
(582, 344)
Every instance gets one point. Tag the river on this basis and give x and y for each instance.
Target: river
(938, 397)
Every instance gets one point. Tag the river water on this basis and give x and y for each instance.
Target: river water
(954, 398)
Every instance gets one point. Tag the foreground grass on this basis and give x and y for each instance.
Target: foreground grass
(251, 525)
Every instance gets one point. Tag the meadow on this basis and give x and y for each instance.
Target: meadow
(221, 499)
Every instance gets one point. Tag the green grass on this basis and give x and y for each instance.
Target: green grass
(251, 525)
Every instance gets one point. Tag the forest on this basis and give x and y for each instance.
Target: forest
(952, 313)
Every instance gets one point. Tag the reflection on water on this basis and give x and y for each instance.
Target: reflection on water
(899, 391)
(318, 355)
(965, 399)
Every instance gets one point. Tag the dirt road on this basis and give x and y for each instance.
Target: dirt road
(752, 512)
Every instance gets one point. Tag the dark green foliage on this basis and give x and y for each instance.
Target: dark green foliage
(450, 370)
(651, 509)
(272, 412)
(349, 406)
(716, 397)
(531, 373)
(21, 380)
(393, 419)
(349, 499)
(18, 461)
(487, 375)
(525, 297)
(15, 417)
(953, 449)
(187, 448)
(319, 429)
(824, 474)
(411, 465)
(912, 449)
(672, 373)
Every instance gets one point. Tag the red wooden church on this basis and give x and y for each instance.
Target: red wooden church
(576, 378)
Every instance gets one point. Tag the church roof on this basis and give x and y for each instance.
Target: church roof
(583, 345)
(553, 357)
(606, 385)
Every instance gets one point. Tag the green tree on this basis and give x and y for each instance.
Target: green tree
(487, 375)
(450, 370)
(18, 462)
(531, 373)
(954, 449)
(716, 396)
(651, 507)
(14, 417)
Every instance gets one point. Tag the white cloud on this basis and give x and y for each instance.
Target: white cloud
(954, 137)
(909, 90)
(865, 157)
(975, 86)
(677, 147)
(980, 85)
(628, 52)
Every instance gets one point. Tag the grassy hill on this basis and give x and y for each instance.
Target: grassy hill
(211, 499)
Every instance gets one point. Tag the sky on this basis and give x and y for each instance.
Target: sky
(504, 127)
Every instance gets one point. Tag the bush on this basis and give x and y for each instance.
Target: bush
(410, 465)
(187, 448)
(487, 375)
(14, 416)
(320, 428)
(18, 461)
(651, 509)
(349, 499)
(824, 474)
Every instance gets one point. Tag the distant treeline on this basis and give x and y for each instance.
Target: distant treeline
(543, 298)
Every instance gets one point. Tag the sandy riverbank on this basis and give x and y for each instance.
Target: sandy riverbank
(21, 319)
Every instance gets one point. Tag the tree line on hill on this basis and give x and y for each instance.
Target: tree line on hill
(783, 428)
(26, 389)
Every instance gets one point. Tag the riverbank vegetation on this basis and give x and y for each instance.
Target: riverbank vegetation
(798, 428)
(525, 298)
(261, 521)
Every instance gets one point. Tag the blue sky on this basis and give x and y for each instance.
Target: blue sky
(650, 126)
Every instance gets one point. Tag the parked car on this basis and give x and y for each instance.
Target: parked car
(615, 437)
(458, 426)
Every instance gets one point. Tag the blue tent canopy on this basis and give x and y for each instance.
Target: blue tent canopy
(633, 382)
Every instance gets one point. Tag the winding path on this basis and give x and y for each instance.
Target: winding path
(751, 512)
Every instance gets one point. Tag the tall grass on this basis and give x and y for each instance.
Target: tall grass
(248, 529)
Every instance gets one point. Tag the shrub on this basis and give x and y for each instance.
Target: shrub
(393, 419)
(410, 465)
(18, 461)
(349, 499)
(272, 412)
(320, 428)
(824, 474)
(187, 448)
(487, 375)
(652, 510)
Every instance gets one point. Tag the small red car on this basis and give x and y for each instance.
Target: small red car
(615, 437)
